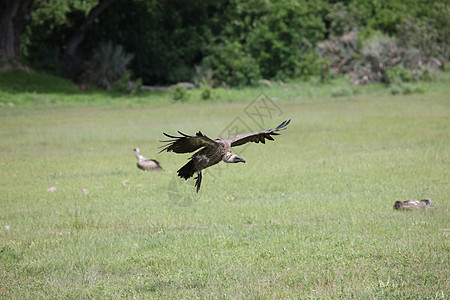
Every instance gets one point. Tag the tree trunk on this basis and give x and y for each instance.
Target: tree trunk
(79, 35)
(13, 17)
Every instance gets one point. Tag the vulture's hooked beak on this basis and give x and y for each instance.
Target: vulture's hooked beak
(240, 160)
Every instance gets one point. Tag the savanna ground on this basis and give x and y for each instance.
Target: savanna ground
(308, 216)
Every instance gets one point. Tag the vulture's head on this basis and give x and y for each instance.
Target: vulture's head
(237, 159)
(232, 158)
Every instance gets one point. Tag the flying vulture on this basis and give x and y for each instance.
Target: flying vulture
(146, 164)
(412, 204)
(212, 151)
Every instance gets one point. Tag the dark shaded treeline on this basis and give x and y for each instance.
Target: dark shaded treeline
(224, 41)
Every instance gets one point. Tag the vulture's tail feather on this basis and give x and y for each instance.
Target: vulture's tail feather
(187, 171)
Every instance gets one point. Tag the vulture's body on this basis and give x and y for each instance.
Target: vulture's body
(213, 151)
(146, 164)
(412, 204)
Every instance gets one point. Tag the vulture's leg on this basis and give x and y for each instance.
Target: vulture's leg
(199, 180)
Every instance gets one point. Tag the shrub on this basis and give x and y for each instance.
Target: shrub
(232, 65)
(125, 86)
(396, 74)
(373, 60)
(207, 93)
(179, 93)
(107, 65)
(427, 73)
(341, 52)
(122, 85)
(405, 89)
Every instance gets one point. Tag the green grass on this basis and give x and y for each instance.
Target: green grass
(36, 90)
(308, 216)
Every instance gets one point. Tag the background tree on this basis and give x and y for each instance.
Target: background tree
(80, 33)
(14, 15)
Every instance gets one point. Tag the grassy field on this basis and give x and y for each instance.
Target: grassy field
(308, 216)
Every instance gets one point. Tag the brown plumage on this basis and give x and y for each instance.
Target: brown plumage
(146, 164)
(213, 151)
(412, 204)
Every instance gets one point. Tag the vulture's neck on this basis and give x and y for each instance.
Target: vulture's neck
(229, 157)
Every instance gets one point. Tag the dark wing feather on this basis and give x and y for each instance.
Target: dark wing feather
(257, 136)
(186, 143)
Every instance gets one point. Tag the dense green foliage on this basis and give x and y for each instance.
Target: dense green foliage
(52, 24)
(239, 42)
(268, 39)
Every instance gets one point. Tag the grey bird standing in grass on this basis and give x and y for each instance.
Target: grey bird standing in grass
(146, 164)
(213, 151)
(413, 204)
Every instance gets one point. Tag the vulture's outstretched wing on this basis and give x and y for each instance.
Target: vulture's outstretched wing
(186, 143)
(257, 136)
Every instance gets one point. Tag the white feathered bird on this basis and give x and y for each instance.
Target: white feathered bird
(146, 164)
